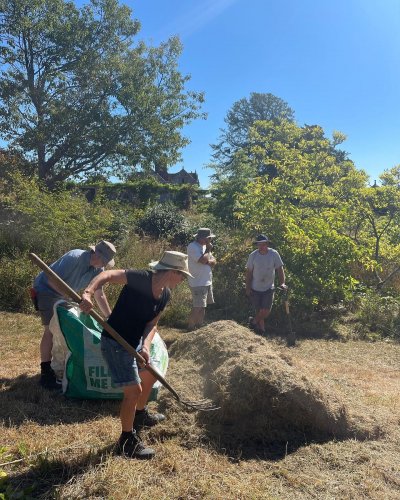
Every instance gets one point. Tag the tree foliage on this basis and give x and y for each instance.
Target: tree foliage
(78, 95)
(302, 201)
(373, 222)
(239, 119)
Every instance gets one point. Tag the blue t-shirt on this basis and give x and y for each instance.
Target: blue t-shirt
(74, 268)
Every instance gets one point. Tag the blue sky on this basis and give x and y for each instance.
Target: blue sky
(335, 63)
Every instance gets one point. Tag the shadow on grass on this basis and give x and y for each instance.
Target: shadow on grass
(223, 440)
(47, 474)
(23, 399)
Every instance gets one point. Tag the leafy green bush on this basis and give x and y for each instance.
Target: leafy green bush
(380, 314)
(50, 222)
(165, 221)
(16, 272)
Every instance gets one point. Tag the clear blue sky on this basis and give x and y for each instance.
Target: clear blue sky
(337, 64)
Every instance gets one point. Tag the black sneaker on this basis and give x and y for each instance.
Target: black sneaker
(48, 380)
(145, 419)
(132, 447)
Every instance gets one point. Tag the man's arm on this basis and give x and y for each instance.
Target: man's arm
(117, 276)
(207, 257)
(249, 279)
(281, 276)
(147, 337)
(102, 302)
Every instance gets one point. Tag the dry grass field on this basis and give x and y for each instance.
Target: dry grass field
(52, 447)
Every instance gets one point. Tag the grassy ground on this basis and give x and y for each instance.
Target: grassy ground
(51, 447)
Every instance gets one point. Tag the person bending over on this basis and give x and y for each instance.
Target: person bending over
(76, 267)
(135, 316)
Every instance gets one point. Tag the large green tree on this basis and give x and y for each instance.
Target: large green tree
(303, 203)
(373, 221)
(79, 95)
(240, 118)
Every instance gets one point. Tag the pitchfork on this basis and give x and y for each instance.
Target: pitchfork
(199, 405)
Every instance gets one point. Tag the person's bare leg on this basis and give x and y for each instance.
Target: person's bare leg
(260, 318)
(128, 406)
(46, 345)
(196, 317)
(147, 384)
(201, 314)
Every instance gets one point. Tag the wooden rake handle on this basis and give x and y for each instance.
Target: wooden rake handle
(68, 291)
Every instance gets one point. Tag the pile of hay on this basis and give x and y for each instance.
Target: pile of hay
(261, 396)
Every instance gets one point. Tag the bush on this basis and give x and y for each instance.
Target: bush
(16, 272)
(380, 314)
(165, 221)
(50, 222)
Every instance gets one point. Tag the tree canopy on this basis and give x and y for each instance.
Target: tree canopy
(78, 95)
(239, 119)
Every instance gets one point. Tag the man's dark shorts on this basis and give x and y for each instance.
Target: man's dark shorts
(45, 302)
(262, 300)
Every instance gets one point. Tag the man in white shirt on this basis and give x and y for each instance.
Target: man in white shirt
(260, 280)
(201, 262)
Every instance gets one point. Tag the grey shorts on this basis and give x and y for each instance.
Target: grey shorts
(202, 295)
(262, 300)
(46, 301)
(122, 365)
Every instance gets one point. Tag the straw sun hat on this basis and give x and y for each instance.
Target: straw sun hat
(172, 261)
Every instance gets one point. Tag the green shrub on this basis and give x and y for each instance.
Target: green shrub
(51, 222)
(229, 278)
(165, 221)
(16, 272)
(380, 315)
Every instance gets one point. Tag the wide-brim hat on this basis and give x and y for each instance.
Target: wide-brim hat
(204, 232)
(106, 250)
(172, 261)
(261, 238)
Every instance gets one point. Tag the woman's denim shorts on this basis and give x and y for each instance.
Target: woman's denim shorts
(122, 365)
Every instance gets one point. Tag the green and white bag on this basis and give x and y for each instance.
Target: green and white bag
(77, 357)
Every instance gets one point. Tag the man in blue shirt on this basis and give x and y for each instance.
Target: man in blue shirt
(77, 268)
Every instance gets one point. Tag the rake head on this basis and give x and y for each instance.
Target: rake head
(200, 405)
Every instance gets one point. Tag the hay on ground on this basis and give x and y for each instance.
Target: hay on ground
(260, 394)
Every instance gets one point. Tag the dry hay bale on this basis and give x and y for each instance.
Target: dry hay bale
(261, 396)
